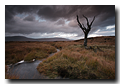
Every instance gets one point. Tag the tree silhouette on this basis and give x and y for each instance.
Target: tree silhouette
(84, 29)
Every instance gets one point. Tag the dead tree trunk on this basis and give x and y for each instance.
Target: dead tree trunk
(85, 39)
(84, 29)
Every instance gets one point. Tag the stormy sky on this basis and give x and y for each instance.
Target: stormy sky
(49, 21)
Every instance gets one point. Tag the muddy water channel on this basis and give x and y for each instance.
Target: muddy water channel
(27, 70)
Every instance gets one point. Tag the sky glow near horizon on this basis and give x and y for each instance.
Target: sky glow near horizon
(47, 21)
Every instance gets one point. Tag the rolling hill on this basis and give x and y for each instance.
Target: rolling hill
(22, 38)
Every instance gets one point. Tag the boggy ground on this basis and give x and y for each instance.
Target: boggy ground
(17, 51)
(73, 61)
(76, 62)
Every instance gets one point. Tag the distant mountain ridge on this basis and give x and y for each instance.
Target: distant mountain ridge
(22, 38)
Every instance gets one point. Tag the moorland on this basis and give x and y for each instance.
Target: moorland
(74, 61)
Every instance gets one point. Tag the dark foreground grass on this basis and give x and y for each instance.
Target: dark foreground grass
(76, 62)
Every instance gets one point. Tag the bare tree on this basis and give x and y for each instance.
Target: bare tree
(84, 29)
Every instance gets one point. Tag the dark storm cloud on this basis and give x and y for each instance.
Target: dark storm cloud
(62, 11)
(12, 10)
(56, 18)
(69, 11)
(29, 18)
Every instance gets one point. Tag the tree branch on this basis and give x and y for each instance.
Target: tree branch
(78, 19)
(86, 19)
(92, 21)
(82, 27)
(79, 22)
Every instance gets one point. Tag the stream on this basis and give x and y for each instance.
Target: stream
(27, 70)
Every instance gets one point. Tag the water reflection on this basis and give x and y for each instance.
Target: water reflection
(27, 70)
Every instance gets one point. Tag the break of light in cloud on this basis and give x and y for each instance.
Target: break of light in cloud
(22, 15)
(94, 35)
(110, 27)
(46, 35)
(39, 19)
(109, 31)
(68, 35)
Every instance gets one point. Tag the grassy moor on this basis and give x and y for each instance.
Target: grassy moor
(17, 51)
(73, 61)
